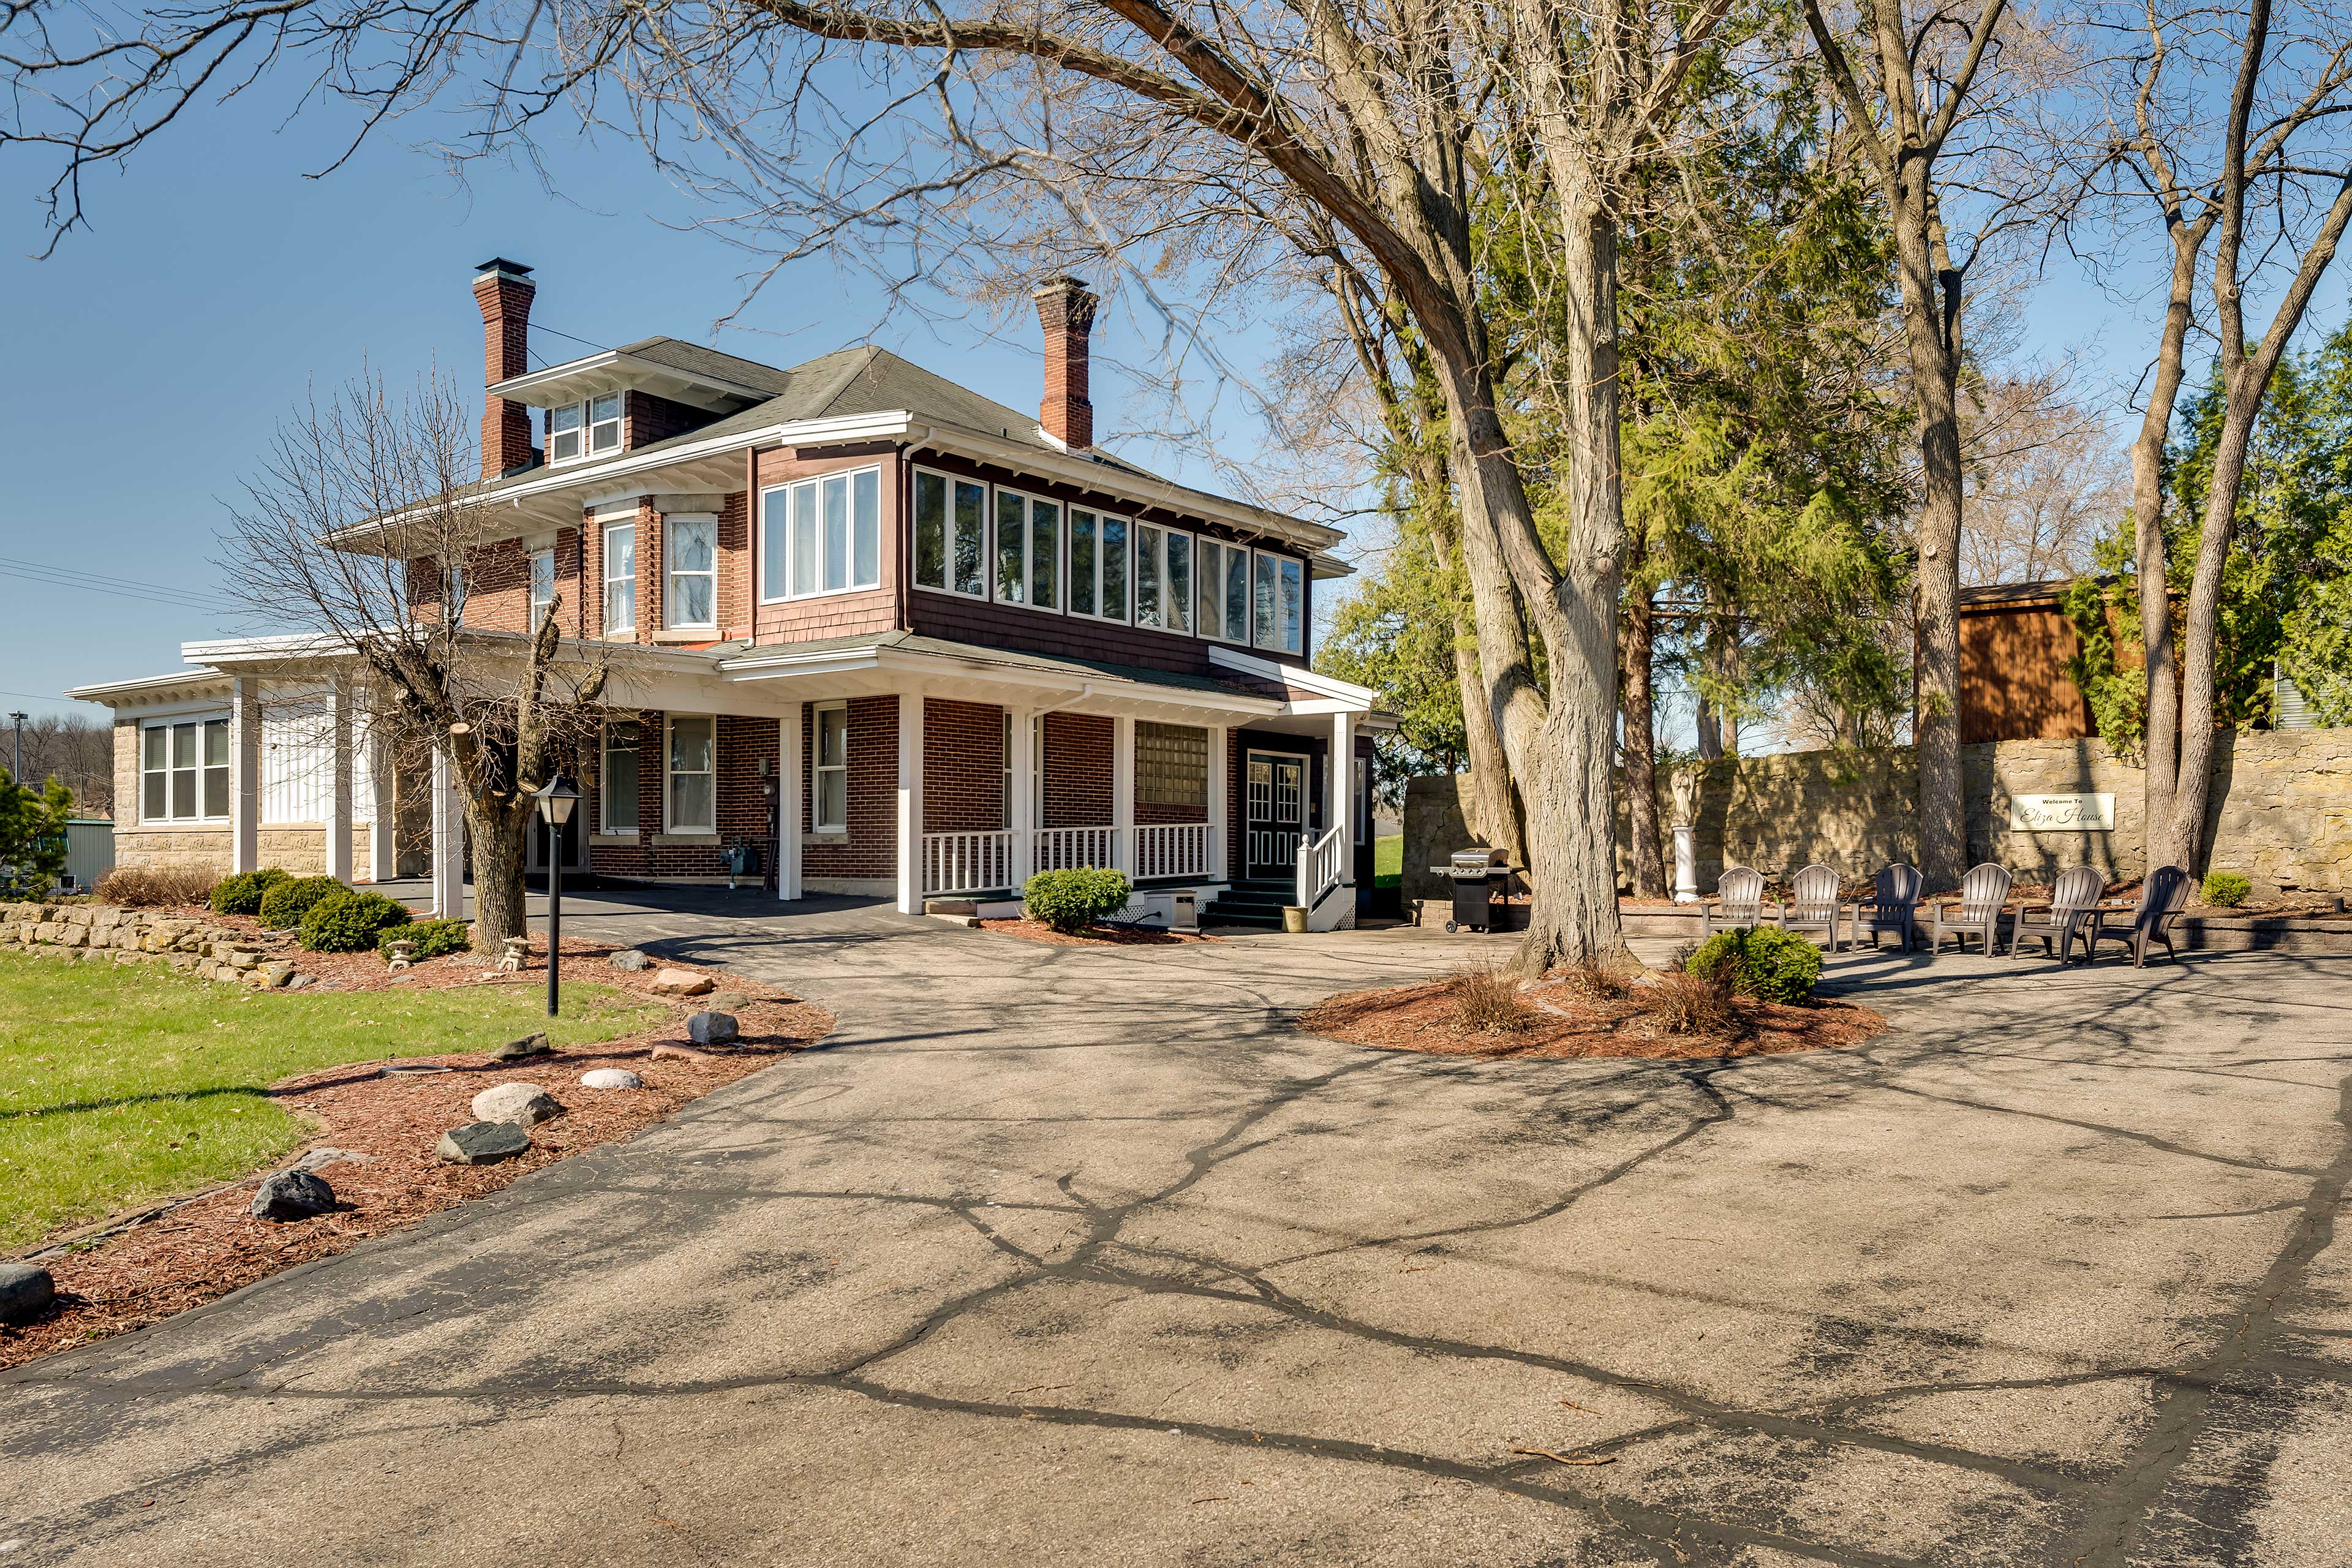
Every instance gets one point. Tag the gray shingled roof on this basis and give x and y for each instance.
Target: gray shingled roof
(696, 360)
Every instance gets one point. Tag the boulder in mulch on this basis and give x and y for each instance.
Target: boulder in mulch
(523, 1104)
(482, 1143)
(611, 1077)
(629, 958)
(678, 1050)
(319, 1159)
(24, 1291)
(291, 1195)
(728, 1002)
(711, 1029)
(528, 1045)
(683, 983)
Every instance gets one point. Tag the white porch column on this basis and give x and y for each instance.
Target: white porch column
(1220, 742)
(1342, 772)
(338, 791)
(383, 859)
(448, 839)
(790, 810)
(1122, 793)
(1023, 817)
(245, 773)
(910, 803)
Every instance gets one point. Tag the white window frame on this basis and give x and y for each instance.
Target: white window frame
(541, 607)
(1279, 561)
(1153, 537)
(780, 518)
(670, 773)
(947, 535)
(1070, 557)
(819, 768)
(1222, 550)
(588, 428)
(201, 724)
(453, 583)
(605, 826)
(1028, 551)
(671, 574)
(628, 579)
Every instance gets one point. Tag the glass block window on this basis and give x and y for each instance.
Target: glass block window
(1172, 765)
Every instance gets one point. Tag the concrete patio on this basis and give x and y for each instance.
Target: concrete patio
(1084, 1257)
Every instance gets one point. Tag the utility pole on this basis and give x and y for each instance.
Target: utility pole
(16, 768)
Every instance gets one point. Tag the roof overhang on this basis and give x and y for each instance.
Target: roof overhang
(1335, 695)
(616, 370)
(892, 667)
(179, 686)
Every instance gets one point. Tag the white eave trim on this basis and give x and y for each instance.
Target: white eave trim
(148, 687)
(784, 664)
(1348, 694)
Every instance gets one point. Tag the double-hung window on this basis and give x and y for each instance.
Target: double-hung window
(693, 773)
(951, 534)
(457, 586)
(829, 797)
(1224, 570)
(1098, 564)
(184, 771)
(542, 585)
(692, 549)
(1278, 613)
(1164, 578)
(821, 536)
(617, 778)
(1028, 551)
(621, 578)
(582, 429)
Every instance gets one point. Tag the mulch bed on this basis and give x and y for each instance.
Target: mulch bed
(1565, 1023)
(133, 1271)
(1096, 936)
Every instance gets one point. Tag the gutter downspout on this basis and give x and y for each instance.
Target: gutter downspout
(902, 592)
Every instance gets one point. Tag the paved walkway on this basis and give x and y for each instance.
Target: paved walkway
(1071, 1257)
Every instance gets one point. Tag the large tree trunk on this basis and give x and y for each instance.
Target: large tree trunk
(498, 830)
(1494, 804)
(2179, 841)
(1641, 748)
(2161, 737)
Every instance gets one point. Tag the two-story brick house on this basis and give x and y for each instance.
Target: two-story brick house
(898, 639)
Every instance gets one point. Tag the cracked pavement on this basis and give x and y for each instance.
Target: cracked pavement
(1086, 1258)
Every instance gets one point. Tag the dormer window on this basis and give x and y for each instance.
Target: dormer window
(584, 429)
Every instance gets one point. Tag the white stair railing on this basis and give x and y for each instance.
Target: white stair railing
(1322, 865)
(1171, 849)
(1074, 848)
(967, 862)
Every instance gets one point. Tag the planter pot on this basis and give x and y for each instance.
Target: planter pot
(1294, 919)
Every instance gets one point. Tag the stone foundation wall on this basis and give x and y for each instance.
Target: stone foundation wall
(298, 848)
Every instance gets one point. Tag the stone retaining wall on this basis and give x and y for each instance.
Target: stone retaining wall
(102, 933)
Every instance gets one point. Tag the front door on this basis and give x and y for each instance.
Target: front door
(1275, 807)
(575, 845)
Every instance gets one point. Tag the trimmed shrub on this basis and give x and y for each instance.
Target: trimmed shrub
(2226, 889)
(286, 903)
(1768, 964)
(1070, 901)
(242, 894)
(1487, 1002)
(155, 887)
(432, 938)
(348, 922)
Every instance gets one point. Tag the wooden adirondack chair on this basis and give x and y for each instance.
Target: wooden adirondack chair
(1894, 906)
(2074, 911)
(1813, 904)
(1739, 901)
(2161, 898)
(1984, 893)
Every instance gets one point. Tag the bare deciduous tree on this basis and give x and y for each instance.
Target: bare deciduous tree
(73, 749)
(2045, 482)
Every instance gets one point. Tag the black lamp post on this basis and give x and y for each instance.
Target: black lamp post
(555, 804)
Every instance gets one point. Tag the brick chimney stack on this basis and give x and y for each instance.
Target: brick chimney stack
(1066, 310)
(503, 290)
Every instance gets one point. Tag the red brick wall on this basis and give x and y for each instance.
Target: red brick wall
(871, 850)
(497, 588)
(964, 767)
(744, 811)
(646, 419)
(734, 600)
(1077, 771)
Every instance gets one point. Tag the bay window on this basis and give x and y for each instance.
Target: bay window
(184, 771)
(1028, 551)
(951, 534)
(829, 798)
(692, 547)
(821, 536)
(621, 578)
(1099, 557)
(693, 774)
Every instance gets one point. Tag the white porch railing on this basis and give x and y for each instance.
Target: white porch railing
(1322, 866)
(1073, 848)
(1173, 849)
(967, 862)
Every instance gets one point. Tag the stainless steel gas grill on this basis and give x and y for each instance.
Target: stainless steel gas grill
(1479, 876)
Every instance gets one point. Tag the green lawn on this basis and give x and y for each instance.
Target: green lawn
(1388, 857)
(121, 1084)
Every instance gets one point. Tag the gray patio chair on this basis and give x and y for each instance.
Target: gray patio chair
(2074, 911)
(1984, 893)
(1894, 905)
(2161, 898)
(1739, 901)
(1813, 904)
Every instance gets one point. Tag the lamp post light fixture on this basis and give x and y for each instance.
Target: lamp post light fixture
(555, 802)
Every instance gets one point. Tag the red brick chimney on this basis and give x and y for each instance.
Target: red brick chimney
(1066, 310)
(503, 290)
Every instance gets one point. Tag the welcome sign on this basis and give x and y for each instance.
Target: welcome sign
(2061, 813)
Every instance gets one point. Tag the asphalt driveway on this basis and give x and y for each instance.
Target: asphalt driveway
(1071, 1257)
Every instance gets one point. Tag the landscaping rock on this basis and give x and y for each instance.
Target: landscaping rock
(711, 1028)
(629, 958)
(522, 1104)
(728, 1002)
(318, 1159)
(482, 1143)
(292, 1194)
(682, 1052)
(611, 1077)
(24, 1290)
(517, 1050)
(683, 983)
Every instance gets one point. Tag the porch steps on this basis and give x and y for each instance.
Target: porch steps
(1252, 901)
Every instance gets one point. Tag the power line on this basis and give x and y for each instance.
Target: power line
(104, 580)
(172, 599)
